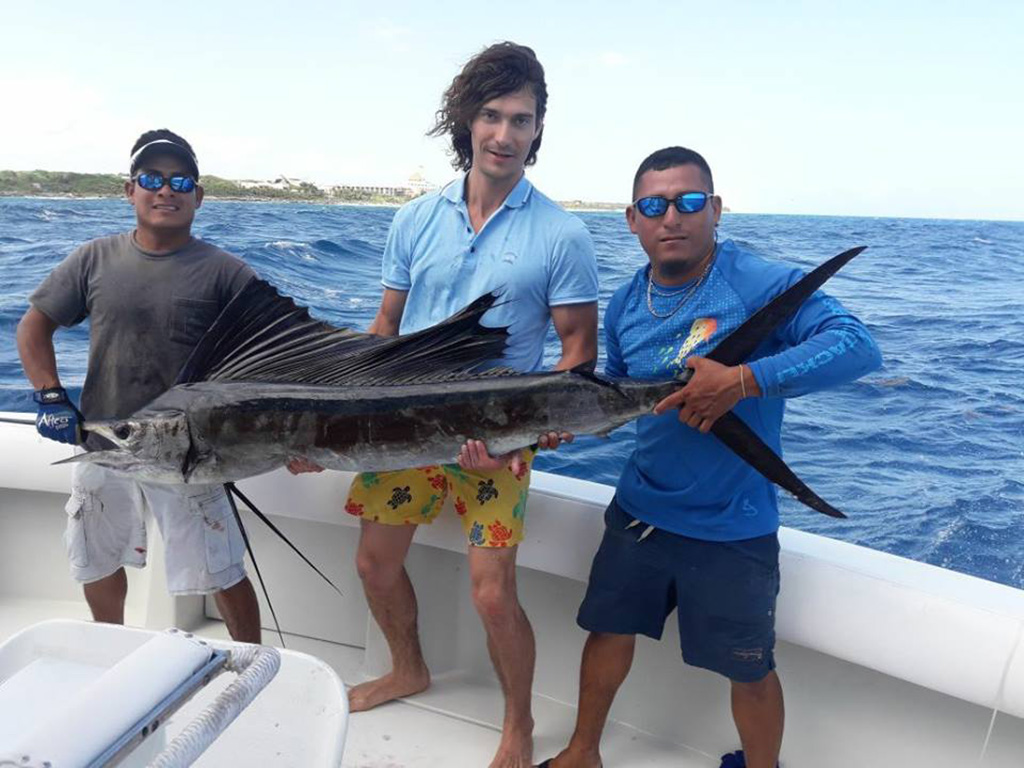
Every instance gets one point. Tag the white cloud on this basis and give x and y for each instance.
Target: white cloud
(386, 32)
(61, 123)
(613, 59)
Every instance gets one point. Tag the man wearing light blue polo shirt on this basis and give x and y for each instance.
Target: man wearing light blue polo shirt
(488, 230)
(530, 249)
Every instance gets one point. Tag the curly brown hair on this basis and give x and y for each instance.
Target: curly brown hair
(498, 70)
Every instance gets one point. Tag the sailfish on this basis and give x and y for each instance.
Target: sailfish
(268, 382)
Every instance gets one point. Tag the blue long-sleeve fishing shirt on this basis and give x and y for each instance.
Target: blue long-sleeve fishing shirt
(678, 479)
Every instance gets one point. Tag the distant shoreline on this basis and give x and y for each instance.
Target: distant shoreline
(85, 186)
(569, 206)
(108, 186)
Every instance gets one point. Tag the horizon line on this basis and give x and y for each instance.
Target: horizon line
(579, 204)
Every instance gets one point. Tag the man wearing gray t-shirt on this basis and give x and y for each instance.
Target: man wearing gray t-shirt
(150, 295)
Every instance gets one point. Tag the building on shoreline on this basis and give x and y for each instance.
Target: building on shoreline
(281, 182)
(414, 186)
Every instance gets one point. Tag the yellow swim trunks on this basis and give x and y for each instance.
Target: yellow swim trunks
(491, 504)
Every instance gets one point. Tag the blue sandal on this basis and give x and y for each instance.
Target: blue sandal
(735, 760)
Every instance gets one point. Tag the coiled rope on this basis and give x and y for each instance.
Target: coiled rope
(257, 665)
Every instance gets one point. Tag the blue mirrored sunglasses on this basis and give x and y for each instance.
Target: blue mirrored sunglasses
(687, 202)
(156, 181)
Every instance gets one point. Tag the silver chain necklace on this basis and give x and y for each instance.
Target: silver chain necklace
(686, 296)
(668, 294)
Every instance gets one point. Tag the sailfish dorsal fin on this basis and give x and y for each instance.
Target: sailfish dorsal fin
(266, 337)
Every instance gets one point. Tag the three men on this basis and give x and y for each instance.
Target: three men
(150, 295)
(692, 527)
(488, 230)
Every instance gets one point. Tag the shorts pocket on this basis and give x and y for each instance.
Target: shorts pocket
(613, 515)
(191, 318)
(617, 520)
(74, 534)
(214, 513)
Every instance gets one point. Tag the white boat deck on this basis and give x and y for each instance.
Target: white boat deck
(431, 729)
(407, 733)
(884, 662)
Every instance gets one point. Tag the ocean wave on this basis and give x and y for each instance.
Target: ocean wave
(923, 455)
(287, 245)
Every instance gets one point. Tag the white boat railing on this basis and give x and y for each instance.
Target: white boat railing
(256, 666)
(77, 694)
(944, 631)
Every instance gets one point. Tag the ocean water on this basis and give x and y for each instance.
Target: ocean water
(926, 456)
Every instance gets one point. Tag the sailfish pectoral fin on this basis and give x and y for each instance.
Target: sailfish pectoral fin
(745, 443)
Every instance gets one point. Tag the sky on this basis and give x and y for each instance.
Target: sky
(898, 108)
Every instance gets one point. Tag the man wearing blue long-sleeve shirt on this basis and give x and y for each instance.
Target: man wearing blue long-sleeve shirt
(692, 526)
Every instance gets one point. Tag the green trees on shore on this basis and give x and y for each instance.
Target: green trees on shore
(65, 184)
(60, 183)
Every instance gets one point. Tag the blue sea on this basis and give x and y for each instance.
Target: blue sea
(926, 456)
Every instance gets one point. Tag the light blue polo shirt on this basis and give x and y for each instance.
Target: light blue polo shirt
(532, 250)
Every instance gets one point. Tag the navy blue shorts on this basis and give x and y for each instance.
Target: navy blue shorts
(724, 591)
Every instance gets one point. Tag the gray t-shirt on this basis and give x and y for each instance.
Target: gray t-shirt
(147, 313)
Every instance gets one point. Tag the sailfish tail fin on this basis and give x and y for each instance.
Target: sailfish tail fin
(737, 347)
(745, 443)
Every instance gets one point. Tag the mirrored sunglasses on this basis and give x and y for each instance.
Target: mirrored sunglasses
(156, 181)
(687, 202)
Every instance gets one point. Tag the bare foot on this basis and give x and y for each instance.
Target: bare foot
(516, 748)
(569, 758)
(373, 693)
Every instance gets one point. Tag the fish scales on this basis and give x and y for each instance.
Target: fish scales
(240, 429)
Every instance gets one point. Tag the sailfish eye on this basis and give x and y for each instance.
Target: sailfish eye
(122, 431)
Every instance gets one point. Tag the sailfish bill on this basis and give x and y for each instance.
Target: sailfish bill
(268, 383)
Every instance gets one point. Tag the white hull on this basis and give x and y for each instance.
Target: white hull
(884, 661)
